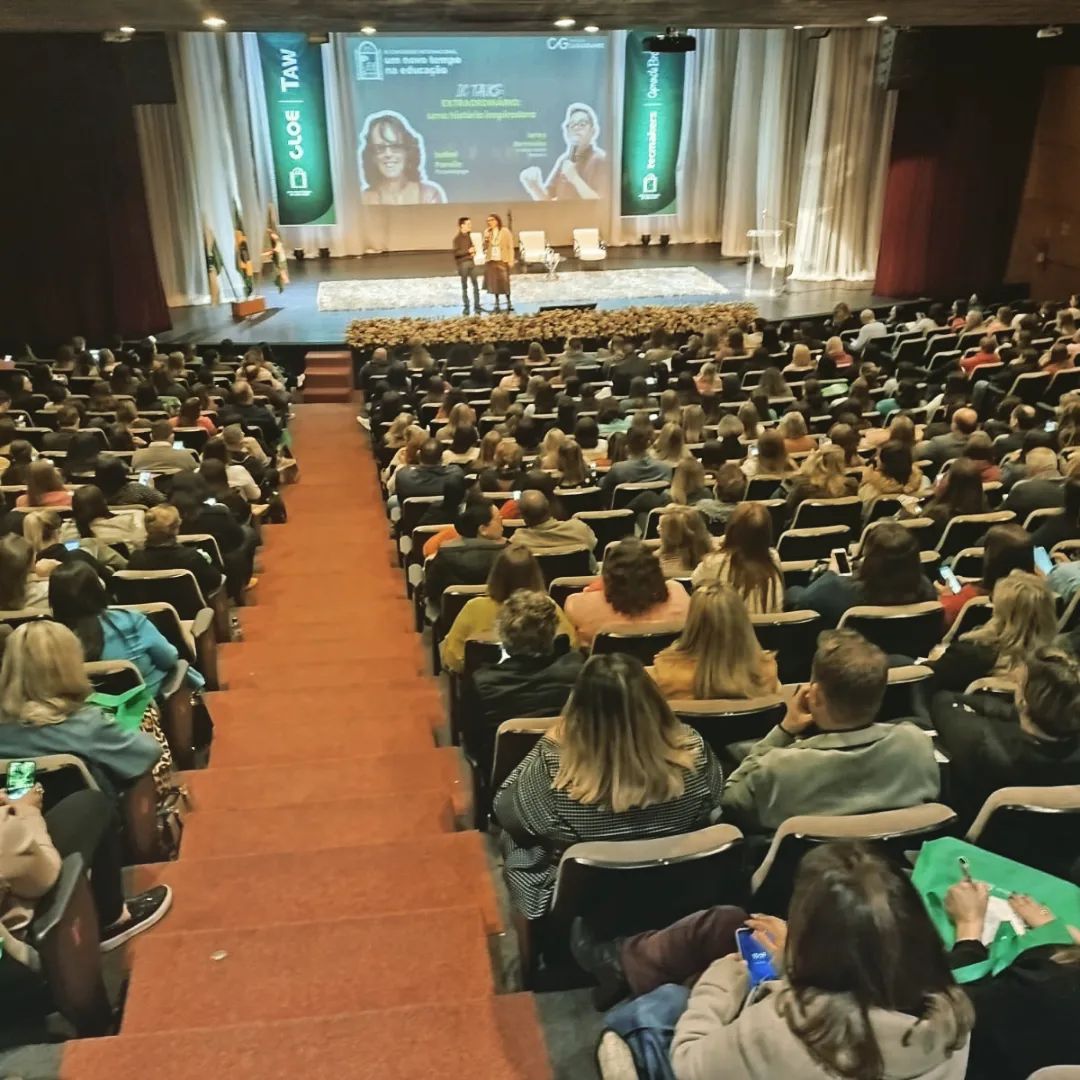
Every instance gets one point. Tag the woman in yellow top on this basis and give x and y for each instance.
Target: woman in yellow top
(718, 655)
(514, 569)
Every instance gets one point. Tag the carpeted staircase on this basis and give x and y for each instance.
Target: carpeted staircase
(328, 376)
(328, 921)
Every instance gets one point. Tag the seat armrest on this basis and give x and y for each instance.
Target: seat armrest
(175, 679)
(202, 622)
(51, 908)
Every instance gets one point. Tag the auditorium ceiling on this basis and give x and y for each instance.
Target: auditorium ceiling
(515, 15)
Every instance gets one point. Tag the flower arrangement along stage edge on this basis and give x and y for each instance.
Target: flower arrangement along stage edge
(548, 325)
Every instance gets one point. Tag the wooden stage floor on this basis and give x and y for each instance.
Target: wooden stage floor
(293, 317)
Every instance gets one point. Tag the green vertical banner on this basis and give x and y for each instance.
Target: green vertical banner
(652, 128)
(296, 109)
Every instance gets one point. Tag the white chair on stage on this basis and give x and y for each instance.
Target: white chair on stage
(588, 247)
(478, 245)
(533, 248)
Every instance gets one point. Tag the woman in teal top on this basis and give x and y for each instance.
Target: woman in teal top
(79, 601)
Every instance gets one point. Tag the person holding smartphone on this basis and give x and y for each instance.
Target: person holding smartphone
(1007, 548)
(855, 983)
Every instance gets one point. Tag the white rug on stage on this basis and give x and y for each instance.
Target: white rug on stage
(382, 294)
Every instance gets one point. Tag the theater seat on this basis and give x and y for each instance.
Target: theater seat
(642, 643)
(1039, 826)
(724, 721)
(904, 629)
(798, 544)
(890, 832)
(965, 530)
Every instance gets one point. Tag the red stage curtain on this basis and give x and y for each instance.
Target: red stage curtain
(77, 256)
(959, 158)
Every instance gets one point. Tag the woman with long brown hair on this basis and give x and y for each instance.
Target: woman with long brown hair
(747, 561)
(684, 540)
(962, 493)
(718, 655)
(617, 765)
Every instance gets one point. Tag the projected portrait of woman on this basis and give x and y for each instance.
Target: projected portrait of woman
(392, 164)
(581, 171)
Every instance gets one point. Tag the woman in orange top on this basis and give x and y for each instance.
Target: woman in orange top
(718, 655)
(44, 487)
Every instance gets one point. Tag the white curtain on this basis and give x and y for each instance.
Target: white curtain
(780, 130)
(847, 154)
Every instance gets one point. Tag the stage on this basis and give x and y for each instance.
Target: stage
(295, 316)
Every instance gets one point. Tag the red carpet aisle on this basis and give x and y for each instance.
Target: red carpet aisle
(328, 921)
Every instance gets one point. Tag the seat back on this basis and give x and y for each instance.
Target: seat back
(975, 613)
(1038, 826)
(625, 494)
(965, 530)
(792, 636)
(513, 741)
(967, 563)
(621, 887)
(762, 487)
(1030, 387)
(819, 513)
(890, 832)
(177, 588)
(560, 588)
(609, 526)
(15, 619)
(454, 598)
(205, 543)
(884, 506)
(644, 643)
(1038, 518)
(902, 692)
(796, 545)
(412, 510)
(722, 722)
(576, 500)
(904, 629)
(569, 563)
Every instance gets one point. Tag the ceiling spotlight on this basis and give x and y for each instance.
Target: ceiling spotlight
(213, 22)
(1049, 32)
(127, 29)
(877, 18)
(591, 29)
(565, 23)
(798, 26)
(369, 30)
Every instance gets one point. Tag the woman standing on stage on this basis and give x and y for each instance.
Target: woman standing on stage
(499, 254)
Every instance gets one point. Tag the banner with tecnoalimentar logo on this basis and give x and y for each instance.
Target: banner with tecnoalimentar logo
(296, 109)
(652, 128)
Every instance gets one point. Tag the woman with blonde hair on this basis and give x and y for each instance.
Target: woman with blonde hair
(571, 467)
(670, 445)
(670, 409)
(693, 425)
(751, 422)
(489, 446)
(684, 540)
(461, 415)
(707, 379)
(822, 476)
(549, 448)
(617, 765)
(397, 434)
(801, 360)
(498, 403)
(535, 355)
(834, 348)
(1024, 620)
(797, 438)
(718, 655)
(747, 561)
(44, 531)
(409, 454)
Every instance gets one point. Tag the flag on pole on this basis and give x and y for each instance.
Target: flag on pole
(243, 254)
(214, 263)
(276, 254)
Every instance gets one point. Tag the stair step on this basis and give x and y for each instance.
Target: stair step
(488, 1038)
(306, 970)
(317, 826)
(244, 787)
(366, 880)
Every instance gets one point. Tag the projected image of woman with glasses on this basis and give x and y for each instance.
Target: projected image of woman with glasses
(392, 164)
(581, 171)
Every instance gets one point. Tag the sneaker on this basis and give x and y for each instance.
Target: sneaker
(614, 1058)
(145, 910)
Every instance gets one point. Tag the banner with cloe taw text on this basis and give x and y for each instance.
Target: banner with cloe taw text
(652, 128)
(296, 111)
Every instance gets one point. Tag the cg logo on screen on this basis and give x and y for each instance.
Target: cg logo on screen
(558, 43)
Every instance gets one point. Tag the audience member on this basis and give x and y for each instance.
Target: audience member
(1005, 549)
(616, 766)
(684, 540)
(717, 654)
(828, 755)
(163, 551)
(466, 560)
(162, 455)
(746, 561)
(639, 467)
(942, 448)
(543, 533)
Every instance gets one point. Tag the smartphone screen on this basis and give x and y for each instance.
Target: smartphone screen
(753, 450)
(516, 494)
(946, 574)
(71, 545)
(1050, 425)
(146, 478)
(210, 501)
(1043, 561)
(179, 444)
(21, 776)
(756, 956)
(843, 563)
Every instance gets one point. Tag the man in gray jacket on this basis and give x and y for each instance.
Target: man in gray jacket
(828, 756)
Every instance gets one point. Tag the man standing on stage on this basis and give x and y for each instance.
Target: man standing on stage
(465, 256)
